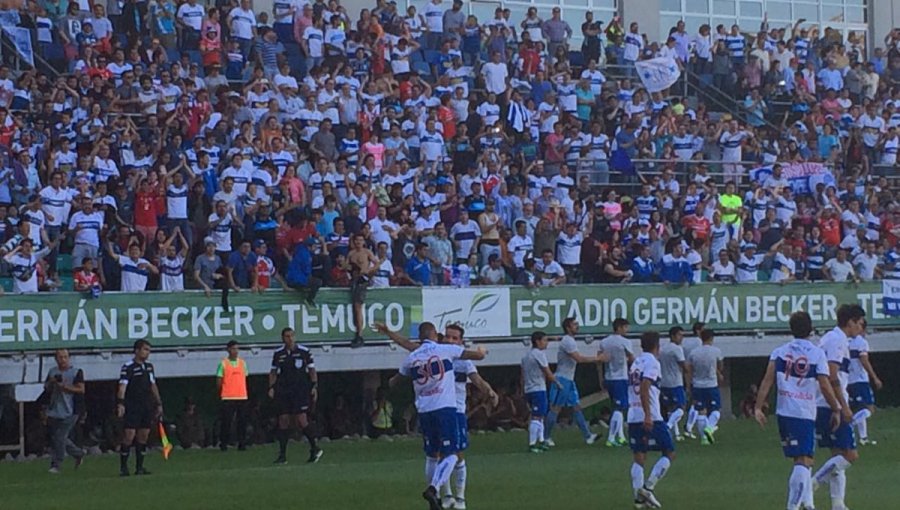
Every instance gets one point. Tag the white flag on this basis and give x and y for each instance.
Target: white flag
(658, 73)
(890, 299)
(21, 40)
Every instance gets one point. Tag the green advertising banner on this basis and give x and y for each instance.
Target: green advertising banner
(190, 319)
(115, 320)
(759, 306)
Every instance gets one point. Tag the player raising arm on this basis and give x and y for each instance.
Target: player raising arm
(429, 367)
(567, 359)
(794, 367)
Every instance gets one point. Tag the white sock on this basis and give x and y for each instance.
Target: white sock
(460, 485)
(445, 490)
(533, 432)
(637, 477)
(659, 470)
(430, 465)
(614, 423)
(836, 463)
(701, 422)
(807, 495)
(674, 418)
(713, 419)
(838, 488)
(621, 431)
(540, 424)
(860, 421)
(691, 420)
(443, 471)
(796, 487)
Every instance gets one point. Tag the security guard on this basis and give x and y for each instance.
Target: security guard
(231, 381)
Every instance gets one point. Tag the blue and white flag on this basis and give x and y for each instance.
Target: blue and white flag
(658, 73)
(890, 299)
(803, 177)
(21, 40)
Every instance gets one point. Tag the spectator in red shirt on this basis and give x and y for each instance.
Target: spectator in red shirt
(697, 224)
(830, 225)
(145, 210)
(86, 279)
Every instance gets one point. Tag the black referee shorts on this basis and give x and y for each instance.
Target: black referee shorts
(292, 401)
(138, 415)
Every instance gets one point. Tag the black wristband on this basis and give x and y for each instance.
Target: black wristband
(315, 384)
(120, 401)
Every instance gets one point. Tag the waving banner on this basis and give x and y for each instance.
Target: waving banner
(803, 177)
(658, 73)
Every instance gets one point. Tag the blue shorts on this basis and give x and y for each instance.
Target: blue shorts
(798, 436)
(674, 398)
(841, 439)
(860, 395)
(439, 431)
(658, 439)
(565, 397)
(707, 399)
(462, 432)
(618, 393)
(537, 401)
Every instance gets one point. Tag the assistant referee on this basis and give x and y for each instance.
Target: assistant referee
(138, 402)
(292, 384)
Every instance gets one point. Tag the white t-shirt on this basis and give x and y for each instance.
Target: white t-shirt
(134, 279)
(495, 75)
(242, 23)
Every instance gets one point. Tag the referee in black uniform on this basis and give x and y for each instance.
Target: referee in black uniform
(292, 383)
(138, 402)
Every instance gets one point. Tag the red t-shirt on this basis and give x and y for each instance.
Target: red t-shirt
(699, 225)
(448, 120)
(831, 231)
(264, 271)
(84, 281)
(145, 209)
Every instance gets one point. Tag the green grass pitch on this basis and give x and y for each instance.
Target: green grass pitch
(744, 470)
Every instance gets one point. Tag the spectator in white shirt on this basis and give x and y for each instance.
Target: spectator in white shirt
(866, 263)
(839, 269)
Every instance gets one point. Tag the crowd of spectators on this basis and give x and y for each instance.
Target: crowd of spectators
(194, 146)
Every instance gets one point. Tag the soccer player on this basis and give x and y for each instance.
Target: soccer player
(646, 428)
(293, 384)
(567, 359)
(704, 373)
(618, 350)
(859, 385)
(463, 371)
(689, 344)
(535, 376)
(674, 398)
(794, 367)
(428, 366)
(835, 343)
(138, 403)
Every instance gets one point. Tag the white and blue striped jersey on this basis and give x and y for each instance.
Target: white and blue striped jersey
(462, 370)
(858, 346)
(464, 235)
(431, 369)
(837, 350)
(797, 365)
(645, 367)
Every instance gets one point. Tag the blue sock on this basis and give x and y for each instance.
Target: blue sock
(549, 423)
(582, 423)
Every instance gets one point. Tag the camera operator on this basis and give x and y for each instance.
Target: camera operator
(65, 387)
